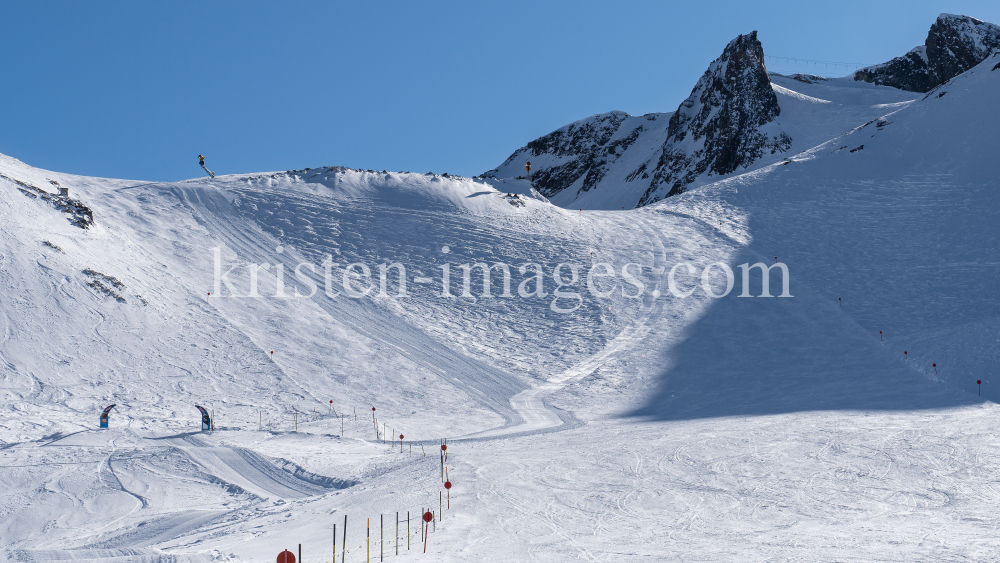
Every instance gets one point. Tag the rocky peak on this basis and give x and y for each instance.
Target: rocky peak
(716, 130)
(726, 124)
(578, 155)
(954, 44)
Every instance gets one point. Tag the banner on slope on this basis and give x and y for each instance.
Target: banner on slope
(104, 416)
(206, 421)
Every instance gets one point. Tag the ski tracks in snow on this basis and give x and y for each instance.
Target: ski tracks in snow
(530, 404)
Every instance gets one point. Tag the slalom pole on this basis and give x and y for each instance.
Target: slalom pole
(427, 522)
(343, 553)
(368, 540)
(334, 542)
(397, 532)
(381, 537)
(407, 530)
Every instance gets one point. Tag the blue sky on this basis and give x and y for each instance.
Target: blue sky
(138, 90)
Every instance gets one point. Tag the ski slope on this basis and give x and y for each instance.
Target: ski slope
(639, 425)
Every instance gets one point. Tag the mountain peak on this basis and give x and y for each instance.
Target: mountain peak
(954, 44)
(716, 129)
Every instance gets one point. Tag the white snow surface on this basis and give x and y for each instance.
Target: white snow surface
(633, 428)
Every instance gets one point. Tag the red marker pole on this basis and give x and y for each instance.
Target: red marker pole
(935, 368)
(839, 300)
(331, 406)
(904, 355)
(775, 259)
(880, 335)
(427, 522)
(401, 443)
(272, 355)
(979, 382)
(447, 486)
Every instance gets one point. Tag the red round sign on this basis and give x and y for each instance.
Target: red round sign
(979, 382)
(373, 409)
(428, 517)
(447, 484)
(331, 401)
(934, 365)
(444, 447)
(286, 557)
(400, 436)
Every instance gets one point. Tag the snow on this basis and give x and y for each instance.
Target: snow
(660, 428)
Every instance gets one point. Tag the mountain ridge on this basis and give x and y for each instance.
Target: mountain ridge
(732, 122)
(954, 44)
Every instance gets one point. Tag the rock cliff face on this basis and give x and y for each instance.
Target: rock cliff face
(725, 125)
(718, 128)
(576, 158)
(586, 147)
(954, 45)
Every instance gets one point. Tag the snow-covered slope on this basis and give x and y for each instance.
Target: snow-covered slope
(633, 425)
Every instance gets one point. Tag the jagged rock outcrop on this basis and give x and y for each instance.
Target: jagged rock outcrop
(954, 45)
(726, 124)
(79, 214)
(578, 156)
(717, 129)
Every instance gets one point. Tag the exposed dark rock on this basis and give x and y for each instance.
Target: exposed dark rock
(105, 284)
(954, 44)
(585, 147)
(716, 130)
(806, 78)
(79, 214)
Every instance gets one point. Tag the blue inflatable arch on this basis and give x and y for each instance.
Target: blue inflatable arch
(104, 416)
(206, 421)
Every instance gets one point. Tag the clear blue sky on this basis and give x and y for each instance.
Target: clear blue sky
(139, 89)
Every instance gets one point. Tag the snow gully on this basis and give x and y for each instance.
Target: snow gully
(566, 282)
